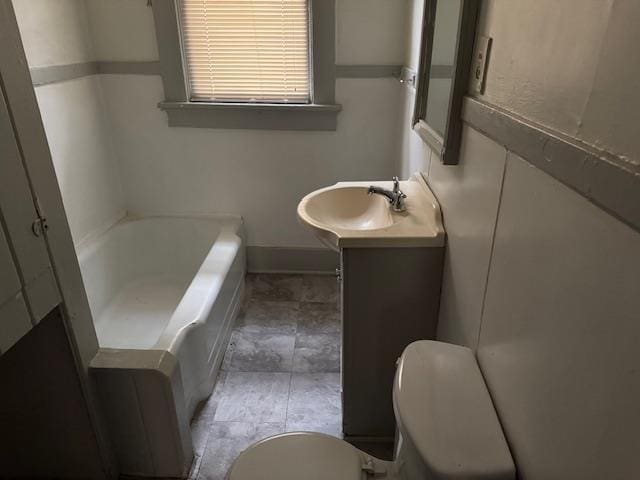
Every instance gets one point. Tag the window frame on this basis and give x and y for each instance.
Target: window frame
(321, 114)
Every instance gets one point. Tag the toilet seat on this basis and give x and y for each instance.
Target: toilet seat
(302, 455)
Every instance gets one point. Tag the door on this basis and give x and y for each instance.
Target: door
(40, 272)
(28, 290)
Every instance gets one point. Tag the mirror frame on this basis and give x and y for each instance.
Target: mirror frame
(447, 147)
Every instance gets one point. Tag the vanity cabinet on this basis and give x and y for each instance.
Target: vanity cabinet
(391, 254)
(390, 298)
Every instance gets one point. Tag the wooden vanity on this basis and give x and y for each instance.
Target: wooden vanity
(390, 298)
(391, 256)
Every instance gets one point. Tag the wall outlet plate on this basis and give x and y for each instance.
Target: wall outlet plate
(480, 63)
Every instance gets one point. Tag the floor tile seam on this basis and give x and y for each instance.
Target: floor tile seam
(295, 334)
(286, 414)
(315, 372)
(228, 422)
(209, 418)
(267, 299)
(204, 449)
(293, 350)
(261, 371)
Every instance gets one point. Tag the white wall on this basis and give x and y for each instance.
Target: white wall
(469, 195)
(261, 175)
(370, 32)
(537, 279)
(414, 155)
(122, 30)
(566, 65)
(54, 33)
(559, 335)
(113, 151)
(570, 66)
(73, 113)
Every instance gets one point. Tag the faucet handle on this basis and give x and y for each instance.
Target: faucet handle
(396, 184)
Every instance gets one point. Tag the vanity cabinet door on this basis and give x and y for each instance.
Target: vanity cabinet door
(390, 298)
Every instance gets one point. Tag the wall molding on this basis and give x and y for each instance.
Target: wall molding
(408, 75)
(609, 181)
(129, 68)
(368, 71)
(292, 260)
(61, 73)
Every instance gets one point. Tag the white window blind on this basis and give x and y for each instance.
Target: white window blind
(247, 50)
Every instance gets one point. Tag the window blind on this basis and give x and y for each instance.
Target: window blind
(246, 50)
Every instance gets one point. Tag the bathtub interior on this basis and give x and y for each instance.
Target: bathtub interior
(137, 273)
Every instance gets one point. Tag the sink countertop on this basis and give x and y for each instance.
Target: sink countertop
(419, 226)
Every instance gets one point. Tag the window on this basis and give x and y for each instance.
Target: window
(246, 50)
(248, 63)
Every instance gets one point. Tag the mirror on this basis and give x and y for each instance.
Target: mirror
(448, 31)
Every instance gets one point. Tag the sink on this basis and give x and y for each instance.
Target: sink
(350, 208)
(345, 215)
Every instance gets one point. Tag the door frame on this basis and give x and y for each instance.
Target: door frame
(24, 116)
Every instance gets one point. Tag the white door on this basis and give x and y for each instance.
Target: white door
(40, 269)
(28, 290)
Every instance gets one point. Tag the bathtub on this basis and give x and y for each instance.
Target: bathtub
(164, 292)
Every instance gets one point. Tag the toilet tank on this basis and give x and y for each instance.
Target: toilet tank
(447, 425)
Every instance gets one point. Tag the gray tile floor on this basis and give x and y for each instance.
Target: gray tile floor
(281, 371)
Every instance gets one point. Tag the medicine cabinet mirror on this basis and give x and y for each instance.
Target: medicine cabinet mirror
(448, 32)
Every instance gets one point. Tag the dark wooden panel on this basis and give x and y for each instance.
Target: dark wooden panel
(46, 431)
(390, 298)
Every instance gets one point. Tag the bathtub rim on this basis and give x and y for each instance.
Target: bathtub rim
(93, 240)
(171, 340)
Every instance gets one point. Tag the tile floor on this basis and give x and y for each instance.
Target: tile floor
(281, 371)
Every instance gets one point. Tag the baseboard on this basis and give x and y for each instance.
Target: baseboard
(292, 260)
(366, 439)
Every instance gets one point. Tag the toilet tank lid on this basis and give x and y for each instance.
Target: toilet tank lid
(443, 406)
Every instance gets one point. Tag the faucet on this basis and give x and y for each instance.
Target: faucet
(395, 196)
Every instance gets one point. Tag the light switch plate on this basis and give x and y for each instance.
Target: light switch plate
(480, 62)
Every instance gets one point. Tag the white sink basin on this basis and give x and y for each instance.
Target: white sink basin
(345, 215)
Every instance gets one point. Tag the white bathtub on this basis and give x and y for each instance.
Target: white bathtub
(168, 284)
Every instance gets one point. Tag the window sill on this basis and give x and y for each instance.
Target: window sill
(267, 116)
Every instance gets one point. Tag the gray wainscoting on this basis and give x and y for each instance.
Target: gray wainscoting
(292, 260)
(609, 181)
(61, 73)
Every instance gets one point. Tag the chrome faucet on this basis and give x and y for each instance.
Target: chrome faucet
(395, 196)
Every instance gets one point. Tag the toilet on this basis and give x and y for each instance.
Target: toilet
(447, 429)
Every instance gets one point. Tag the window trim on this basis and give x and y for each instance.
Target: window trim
(319, 115)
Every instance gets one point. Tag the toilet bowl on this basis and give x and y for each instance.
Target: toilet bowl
(447, 429)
